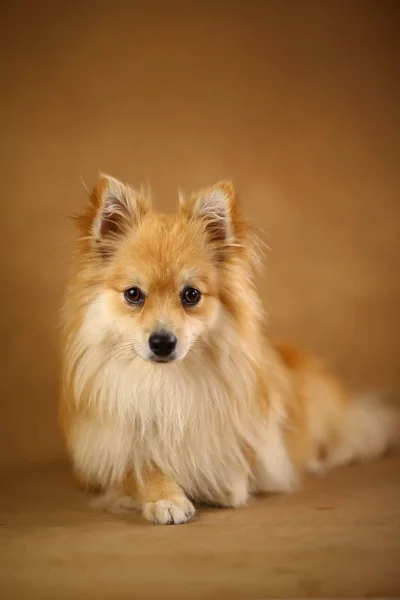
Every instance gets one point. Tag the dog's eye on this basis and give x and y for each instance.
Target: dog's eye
(134, 295)
(191, 296)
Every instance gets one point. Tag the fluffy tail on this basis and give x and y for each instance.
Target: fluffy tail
(371, 426)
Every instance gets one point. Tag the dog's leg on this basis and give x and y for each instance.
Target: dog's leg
(160, 499)
(237, 493)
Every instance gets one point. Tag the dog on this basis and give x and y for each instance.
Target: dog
(172, 394)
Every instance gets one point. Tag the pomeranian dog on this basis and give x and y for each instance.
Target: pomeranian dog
(172, 394)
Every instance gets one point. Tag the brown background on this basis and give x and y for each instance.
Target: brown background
(297, 102)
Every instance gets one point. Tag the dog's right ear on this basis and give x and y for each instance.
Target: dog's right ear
(116, 208)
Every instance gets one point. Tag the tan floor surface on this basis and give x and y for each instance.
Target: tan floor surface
(338, 536)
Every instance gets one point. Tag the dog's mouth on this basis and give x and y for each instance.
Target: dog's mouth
(162, 359)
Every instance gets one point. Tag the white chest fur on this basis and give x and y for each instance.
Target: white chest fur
(191, 421)
(192, 418)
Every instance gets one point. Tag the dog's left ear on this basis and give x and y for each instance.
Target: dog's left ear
(216, 207)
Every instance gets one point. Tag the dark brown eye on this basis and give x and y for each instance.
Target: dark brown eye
(134, 295)
(191, 296)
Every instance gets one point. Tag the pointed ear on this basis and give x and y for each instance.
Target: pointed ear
(216, 207)
(117, 207)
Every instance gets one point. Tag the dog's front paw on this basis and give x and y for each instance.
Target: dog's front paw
(236, 495)
(169, 512)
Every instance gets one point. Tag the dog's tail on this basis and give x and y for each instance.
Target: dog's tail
(336, 428)
(371, 425)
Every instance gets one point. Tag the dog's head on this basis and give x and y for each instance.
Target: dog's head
(162, 282)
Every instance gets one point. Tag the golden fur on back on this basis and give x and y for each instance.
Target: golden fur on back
(231, 414)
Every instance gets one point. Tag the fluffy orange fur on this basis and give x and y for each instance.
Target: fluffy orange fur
(230, 414)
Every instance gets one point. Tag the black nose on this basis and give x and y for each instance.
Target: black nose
(162, 344)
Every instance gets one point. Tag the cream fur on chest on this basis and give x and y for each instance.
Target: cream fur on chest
(192, 418)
